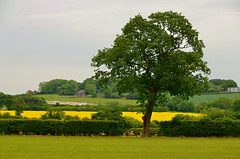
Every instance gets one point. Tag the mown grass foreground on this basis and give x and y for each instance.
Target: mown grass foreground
(41, 147)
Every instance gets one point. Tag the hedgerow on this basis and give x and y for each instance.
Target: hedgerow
(58, 127)
(200, 128)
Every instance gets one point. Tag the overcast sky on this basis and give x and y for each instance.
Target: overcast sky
(41, 40)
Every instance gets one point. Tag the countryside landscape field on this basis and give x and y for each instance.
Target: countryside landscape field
(119, 79)
(196, 99)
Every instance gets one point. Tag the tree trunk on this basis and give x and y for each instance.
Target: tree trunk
(146, 122)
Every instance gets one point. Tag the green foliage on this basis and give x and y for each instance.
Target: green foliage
(9, 116)
(134, 123)
(115, 95)
(152, 57)
(148, 51)
(217, 82)
(236, 105)
(172, 103)
(177, 104)
(5, 100)
(58, 114)
(53, 115)
(218, 85)
(222, 103)
(228, 83)
(18, 104)
(161, 109)
(88, 81)
(110, 113)
(216, 113)
(90, 89)
(200, 128)
(131, 95)
(22, 102)
(181, 117)
(69, 117)
(69, 88)
(58, 127)
(185, 106)
(212, 89)
(59, 86)
(94, 95)
(107, 92)
(32, 100)
(57, 104)
(52, 87)
(154, 124)
(236, 115)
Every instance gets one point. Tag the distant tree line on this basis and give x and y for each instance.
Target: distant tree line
(220, 85)
(90, 86)
(59, 86)
(93, 88)
(176, 104)
(22, 102)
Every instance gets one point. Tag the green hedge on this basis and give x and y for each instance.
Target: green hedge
(57, 127)
(199, 129)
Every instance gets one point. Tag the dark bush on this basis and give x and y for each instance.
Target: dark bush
(203, 128)
(58, 127)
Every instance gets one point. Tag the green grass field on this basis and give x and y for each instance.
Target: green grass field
(195, 99)
(55, 97)
(213, 97)
(45, 147)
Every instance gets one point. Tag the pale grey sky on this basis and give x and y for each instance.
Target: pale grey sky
(41, 40)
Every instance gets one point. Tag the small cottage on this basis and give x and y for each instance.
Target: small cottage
(234, 89)
(80, 93)
(30, 92)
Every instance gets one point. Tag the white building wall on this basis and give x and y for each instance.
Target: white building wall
(234, 89)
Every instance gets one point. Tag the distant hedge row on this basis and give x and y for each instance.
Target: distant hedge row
(199, 129)
(57, 127)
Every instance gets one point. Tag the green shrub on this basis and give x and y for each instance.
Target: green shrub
(201, 128)
(59, 127)
(109, 113)
(236, 105)
(185, 106)
(214, 113)
(134, 123)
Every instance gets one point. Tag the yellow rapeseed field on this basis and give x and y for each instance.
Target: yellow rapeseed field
(160, 116)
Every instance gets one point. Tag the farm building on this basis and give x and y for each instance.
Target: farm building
(31, 92)
(80, 93)
(234, 89)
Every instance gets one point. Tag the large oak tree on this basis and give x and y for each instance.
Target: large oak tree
(154, 56)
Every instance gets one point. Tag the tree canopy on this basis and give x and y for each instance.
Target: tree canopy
(59, 86)
(216, 85)
(154, 56)
(21, 102)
